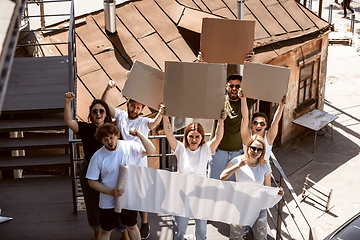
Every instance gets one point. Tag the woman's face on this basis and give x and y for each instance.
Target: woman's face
(255, 149)
(194, 139)
(98, 114)
(258, 126)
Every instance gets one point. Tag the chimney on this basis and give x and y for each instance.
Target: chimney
(110, 15)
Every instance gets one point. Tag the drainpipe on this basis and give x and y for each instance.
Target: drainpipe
(240, 4)
(330, 12)
(110, 15)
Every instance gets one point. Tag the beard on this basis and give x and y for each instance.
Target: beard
(233, 96)
(132, 115)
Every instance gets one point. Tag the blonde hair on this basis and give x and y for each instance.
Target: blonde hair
(254, 138)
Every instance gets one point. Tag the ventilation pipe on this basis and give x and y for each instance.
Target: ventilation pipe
(110, 15)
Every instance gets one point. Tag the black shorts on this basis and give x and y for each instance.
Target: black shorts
(109, 218)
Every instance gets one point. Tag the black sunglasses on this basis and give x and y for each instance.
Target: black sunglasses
(96, 111)
(237, 86)
(261, 123)
(255, 149)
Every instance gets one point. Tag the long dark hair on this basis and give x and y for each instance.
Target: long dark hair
(104, 104)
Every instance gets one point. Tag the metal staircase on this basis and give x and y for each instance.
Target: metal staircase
(33, 134)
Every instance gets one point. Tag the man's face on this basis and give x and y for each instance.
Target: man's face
(233, 87)
(134, 109)
(110, 142)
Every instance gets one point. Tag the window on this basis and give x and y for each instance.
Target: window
(309, 75)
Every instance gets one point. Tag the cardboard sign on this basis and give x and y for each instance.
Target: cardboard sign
(145, 85)
(226, 40)
(265, 82)
(194, 90)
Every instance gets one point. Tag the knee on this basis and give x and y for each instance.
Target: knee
(131, 228)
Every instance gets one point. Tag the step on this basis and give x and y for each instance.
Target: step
(43, 140)
(58, 160)
(53, 123)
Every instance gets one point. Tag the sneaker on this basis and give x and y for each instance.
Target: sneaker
(145, 231)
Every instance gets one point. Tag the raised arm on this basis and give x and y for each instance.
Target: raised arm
(231, 168)
(71, 123)
(219, 133)
(105, 96)
(273, 130)
(156, 121)
(244, 128)
(148, 145)
(169, 133)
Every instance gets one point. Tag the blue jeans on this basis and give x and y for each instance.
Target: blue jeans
(180, 225)
(259, 228)
(219, 161)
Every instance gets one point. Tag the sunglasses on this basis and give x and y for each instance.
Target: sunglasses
(261, 123)
(255, 149)
(96, 111)
(237, 86)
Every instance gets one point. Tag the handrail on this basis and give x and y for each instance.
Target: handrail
(312, 232)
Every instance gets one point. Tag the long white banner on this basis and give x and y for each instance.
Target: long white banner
(165, 192)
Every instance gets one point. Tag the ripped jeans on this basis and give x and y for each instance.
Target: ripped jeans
(259, 228)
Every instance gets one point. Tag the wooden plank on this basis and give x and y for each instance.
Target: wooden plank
(192, 19)
(260, 32)
(34, 161)
(225, 12)
(133, 20)
(123, 40)
(188, 3)
(158, 50)
(172, 9)
(283, 18)
(319, 22)
(40, 141)
(83, 101)
(158, 20)
(299, 16)
(182, 50)
(202, 6)
(96, 82)
(96, 41)
(214, 5)
(265, 18)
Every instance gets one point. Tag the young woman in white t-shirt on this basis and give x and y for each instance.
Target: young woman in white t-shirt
(251, 167)
(192, 156)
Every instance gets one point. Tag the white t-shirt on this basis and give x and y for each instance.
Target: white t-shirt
(192, 162)
(105, 163)
(252, 174)
(125, 124)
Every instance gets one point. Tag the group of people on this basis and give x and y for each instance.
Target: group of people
(236, 151)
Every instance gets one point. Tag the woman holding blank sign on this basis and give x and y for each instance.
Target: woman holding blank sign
(192, 156)
(259, 122)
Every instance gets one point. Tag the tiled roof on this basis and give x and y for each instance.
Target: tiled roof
(155, 31)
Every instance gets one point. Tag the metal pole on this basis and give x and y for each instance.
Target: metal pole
(240, 4)
(352, 26)
(280, 210)
(330, 12)
(320, 7)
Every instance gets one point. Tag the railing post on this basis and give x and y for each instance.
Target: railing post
(163, 153)
(330, 12)
(352, 25)
(279, 214)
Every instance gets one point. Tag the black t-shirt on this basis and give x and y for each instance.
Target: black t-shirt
(90, 144)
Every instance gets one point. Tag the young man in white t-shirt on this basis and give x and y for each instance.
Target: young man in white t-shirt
(132, 119)
(105, 163)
